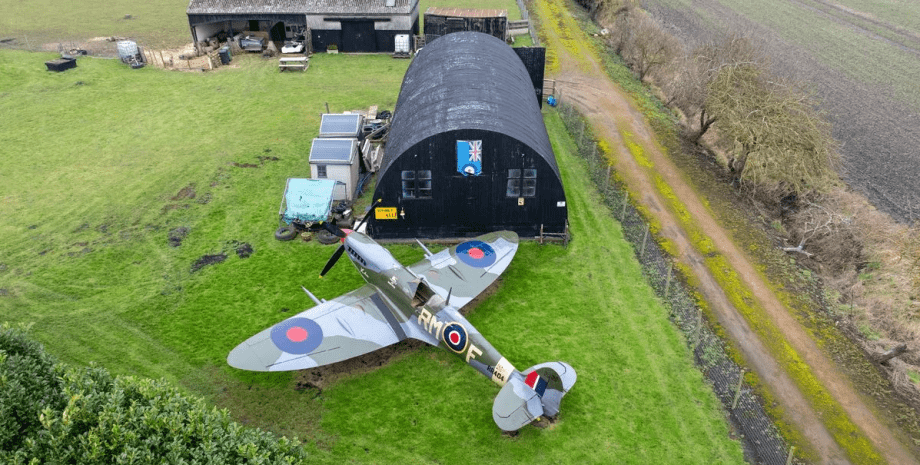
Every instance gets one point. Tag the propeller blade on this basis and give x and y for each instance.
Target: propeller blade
(368, 214)
(332, 260)
(334, 229)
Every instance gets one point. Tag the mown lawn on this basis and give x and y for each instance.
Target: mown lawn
(97, 166)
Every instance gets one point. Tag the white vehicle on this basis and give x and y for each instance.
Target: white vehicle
(291, 46)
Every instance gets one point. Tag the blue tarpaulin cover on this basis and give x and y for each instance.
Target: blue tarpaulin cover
(307, 200)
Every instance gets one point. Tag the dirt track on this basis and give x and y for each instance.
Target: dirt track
(610, 113)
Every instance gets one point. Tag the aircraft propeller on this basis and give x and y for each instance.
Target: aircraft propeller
(339, 233)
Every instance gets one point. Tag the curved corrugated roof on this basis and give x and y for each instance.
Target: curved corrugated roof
(467, 80)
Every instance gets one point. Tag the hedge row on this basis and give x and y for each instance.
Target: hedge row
(51, 413)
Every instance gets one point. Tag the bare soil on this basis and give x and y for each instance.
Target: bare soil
(611, 112)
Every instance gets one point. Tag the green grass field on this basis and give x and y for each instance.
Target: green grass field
(93, 162)
(97, 167)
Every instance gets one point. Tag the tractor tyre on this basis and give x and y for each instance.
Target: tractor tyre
(286, 233)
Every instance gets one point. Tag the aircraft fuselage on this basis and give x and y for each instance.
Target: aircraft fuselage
(435, 320)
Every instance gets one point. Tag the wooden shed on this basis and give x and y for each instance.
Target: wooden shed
(336, 158)
(351, 25)
(468, 152)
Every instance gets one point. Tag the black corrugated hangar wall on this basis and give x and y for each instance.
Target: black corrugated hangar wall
(468, 86)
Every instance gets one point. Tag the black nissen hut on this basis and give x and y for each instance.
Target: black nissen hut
(467, 152)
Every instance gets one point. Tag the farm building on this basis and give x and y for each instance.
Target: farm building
(443, 21)
(468, 151)
(351, 25)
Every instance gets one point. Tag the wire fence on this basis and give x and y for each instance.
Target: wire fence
(525, 15)
(760, 438)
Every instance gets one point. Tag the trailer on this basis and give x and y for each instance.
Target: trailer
(306, 205)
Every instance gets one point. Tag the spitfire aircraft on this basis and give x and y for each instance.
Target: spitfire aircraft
(421, 301)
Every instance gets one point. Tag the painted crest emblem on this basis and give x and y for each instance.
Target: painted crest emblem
(469, 157)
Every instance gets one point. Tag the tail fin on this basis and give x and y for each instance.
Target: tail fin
(552, 381)
(529, 395)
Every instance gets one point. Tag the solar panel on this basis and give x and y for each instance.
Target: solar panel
(338, 151)
(340, 125)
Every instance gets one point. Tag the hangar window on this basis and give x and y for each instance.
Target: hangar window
(321, 171)
(522, 183)
(416, 184)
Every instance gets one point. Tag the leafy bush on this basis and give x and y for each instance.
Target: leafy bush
(29, 383)
(85, 415)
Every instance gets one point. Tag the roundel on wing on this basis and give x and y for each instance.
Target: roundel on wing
(297, 335)
(455, 337)
(477, 254)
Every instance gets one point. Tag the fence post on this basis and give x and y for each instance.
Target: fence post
(738, 389)
(667, 282)
(644, 238)
(698, 329)
(625, 202)
(789, 457)
(607, 179)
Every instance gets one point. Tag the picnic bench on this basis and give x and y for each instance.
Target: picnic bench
(297, 63)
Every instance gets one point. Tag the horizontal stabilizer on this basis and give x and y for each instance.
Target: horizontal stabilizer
(516, 405)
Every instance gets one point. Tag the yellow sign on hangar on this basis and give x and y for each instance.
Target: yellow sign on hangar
(385, 213)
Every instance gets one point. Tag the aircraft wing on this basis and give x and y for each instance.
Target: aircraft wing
(468, 268)
(348, 326)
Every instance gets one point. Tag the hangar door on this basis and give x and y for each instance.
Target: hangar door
(358, 36)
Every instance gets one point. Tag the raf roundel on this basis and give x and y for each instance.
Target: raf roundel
(455, 337)
(297, 335)
(477, 254)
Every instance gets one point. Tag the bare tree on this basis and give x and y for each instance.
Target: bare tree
(780, 140)
(690, 89)
(649, 46)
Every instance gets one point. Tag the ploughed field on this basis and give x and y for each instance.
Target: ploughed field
(862, 60)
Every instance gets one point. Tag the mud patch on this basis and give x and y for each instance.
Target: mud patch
(81, 252)
(262, 160)
(177, 235)
(173, 206)
(206, 260)
(187, 192)
(244, 250)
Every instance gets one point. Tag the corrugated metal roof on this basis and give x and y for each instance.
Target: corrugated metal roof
(466, 12)
(300, 7)
(334, 151)
(467, 80)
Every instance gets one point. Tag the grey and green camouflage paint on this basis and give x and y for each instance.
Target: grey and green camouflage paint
(421, 302)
